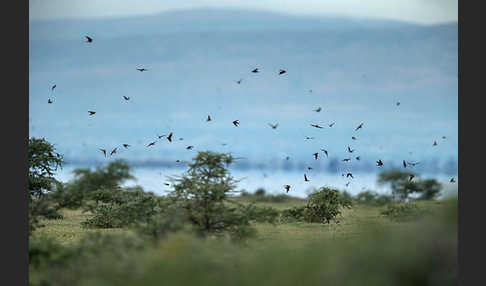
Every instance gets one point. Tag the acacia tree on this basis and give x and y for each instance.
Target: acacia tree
(402, 187)
(43, 163)
(203, 190)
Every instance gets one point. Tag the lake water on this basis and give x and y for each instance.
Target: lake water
(153, 179)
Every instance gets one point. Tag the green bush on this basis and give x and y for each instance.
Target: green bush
(294, 214)
(373, 198)
(403, 211)
(262, 214)
(324, 205)
(203, 193)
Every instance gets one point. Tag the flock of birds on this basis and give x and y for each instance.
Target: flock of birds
(236, 123)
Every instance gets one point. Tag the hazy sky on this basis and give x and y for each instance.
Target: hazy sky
(417, 11)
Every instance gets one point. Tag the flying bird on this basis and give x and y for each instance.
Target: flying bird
(316, 155)
(142, 69)
(208, 119)
(349, 175)
(413, 163)
(350, 150)
(103, 150)
(236, 123)
(308, 138)
(325, 152)
(239, 81)
(404, 164)
(274, 126)
(126, 97)
(379, 163)
(282, 71)
(309, 168)
(358, 158)
(126, 145)
(398, 103)
(161, 136)
(435, 143)
(443, 137)
(53, 87)
(91, 112)
(169, 137)
(316, 126)
(151, 144)
(255, 70)
(114, 151)
(49, 101)
(332, 124)
(305, 178)
(452, 180)
(189, 147)
(89, 39)
(287, 188)
(287, 158)
(359, 127)
(167, 184)
(347, 184)
(411, 176)
(181, 139)
(346, 159)
(354, 138)
(318, 109)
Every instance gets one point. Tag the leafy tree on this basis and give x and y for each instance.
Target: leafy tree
(43, 163)
(324, 205)
(400, 184)
(203, 191)
(100, 185)
(430, 189)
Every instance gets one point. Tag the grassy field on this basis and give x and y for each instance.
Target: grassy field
(349, 225)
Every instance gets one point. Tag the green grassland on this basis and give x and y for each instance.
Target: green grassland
(349, 224)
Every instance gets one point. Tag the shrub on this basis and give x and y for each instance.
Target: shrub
(403, 212)
(260, 192)
(203, 192)
(262, 214)
(373, 198)
(294, 214)
(324, 205)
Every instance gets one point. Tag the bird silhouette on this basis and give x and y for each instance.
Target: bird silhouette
(359, 127)
(325, 152)
(354, 138)
(239, 81)
(255, 70)
(181, 139)
(452, 180)
(309, 168)
(142, 69)
(53, 87)
(189, 147)
(410, 177)
(49, 101)
(89, 39)
(274, 126)
(167, 184)
(309, 138)
(347, 184)
(435, 143)
(358, 158)
(287, 188)
(287, 158)
(398, 103)
(332, 124)
(305, 178)
(236, 123)
(114, 151)
(151, 144)
(126, 145)
(282, 71)
(350, 150)
(413, 163)
(349, 175)
(404, 164)
(170, 137)
(91, 112)
(208, 119)
(103, 150)
(126, 97)
(379, 163)
(316, 155)
(316, 126)
(346, 159)
(443, 137)
(318, 109)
